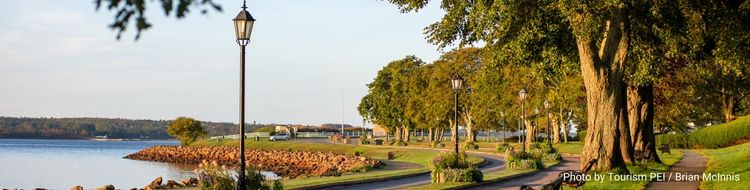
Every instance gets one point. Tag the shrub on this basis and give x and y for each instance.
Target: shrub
(458, 175)
(523, 160)
(211, 176)
(674, 140)
(450, 167)
(471, 146)
(504, 147)
(400, 143)
(363, 140)
(272, 133)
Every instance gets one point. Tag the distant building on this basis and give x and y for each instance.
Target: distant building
(283, 129)
(379, 131)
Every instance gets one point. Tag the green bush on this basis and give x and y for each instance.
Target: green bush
(471, 146)
(272, 133)
(721, 135)
(363, 140)
(458, 175)
(212, 176)
(674, 140)
(522, 160)
(400, 143)
(450, 167)
(503, 147)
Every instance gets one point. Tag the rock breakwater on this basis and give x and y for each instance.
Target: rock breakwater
(288, 164)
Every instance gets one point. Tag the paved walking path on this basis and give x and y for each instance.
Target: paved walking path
(692, 164)
(537, 180)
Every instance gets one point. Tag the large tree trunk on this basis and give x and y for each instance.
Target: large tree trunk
(641, 116)
(727, 106)
(555, 130)
(453, 131)
(407, 134)
(603, 76)
(530, 134)
(431, 135)
(398, 135)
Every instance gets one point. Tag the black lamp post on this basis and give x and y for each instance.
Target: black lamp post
(522, 95)
(243, 27)
(457, 82)
(549, 133)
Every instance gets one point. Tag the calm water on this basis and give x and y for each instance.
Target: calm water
(61, 164)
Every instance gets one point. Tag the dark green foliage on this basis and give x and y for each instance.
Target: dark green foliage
(188, 130)
(400, 143)
(257, 181)
(504, 147)
(522, 160)
(135, 10)
(471, 146)
(674, 140)
(75, 128)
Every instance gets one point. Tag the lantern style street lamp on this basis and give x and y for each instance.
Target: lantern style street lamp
(549, 133)
(243, 27)
(522, 95)
(457, 82)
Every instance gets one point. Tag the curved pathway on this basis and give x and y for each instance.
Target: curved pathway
(494, 162)
(538, 179)
(691, 163)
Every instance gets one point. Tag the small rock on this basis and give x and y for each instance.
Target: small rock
(156, 183)
(76, 188)
(106, 187)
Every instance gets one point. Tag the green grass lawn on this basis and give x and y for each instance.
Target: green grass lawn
(572, 147)
(730, 160)
(416, 156)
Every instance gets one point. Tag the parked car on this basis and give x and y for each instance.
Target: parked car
(279, 136)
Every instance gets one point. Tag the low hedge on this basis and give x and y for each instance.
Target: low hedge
(716, 136)
(450, 167)
(721, 135)
(674, 140)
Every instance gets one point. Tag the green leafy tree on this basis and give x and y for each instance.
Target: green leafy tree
(127, 11)
(186, 129)
(601, 31)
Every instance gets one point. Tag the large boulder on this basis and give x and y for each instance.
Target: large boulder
(156, 183)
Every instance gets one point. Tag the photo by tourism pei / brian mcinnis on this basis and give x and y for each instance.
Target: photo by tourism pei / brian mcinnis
(374, 95)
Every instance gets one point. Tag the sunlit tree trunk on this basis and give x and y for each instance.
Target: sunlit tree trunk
(603, 75)
(555, 129)
(530, 134)
(727, 106)
(641, 116)
(471, 135)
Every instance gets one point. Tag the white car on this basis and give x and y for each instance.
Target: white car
(279, 136)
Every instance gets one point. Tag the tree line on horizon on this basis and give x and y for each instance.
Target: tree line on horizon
(83, 128)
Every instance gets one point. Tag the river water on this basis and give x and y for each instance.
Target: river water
(62, 164)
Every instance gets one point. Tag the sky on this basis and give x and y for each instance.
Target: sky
(59, 59)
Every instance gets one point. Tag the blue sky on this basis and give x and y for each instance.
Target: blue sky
(58, 59)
